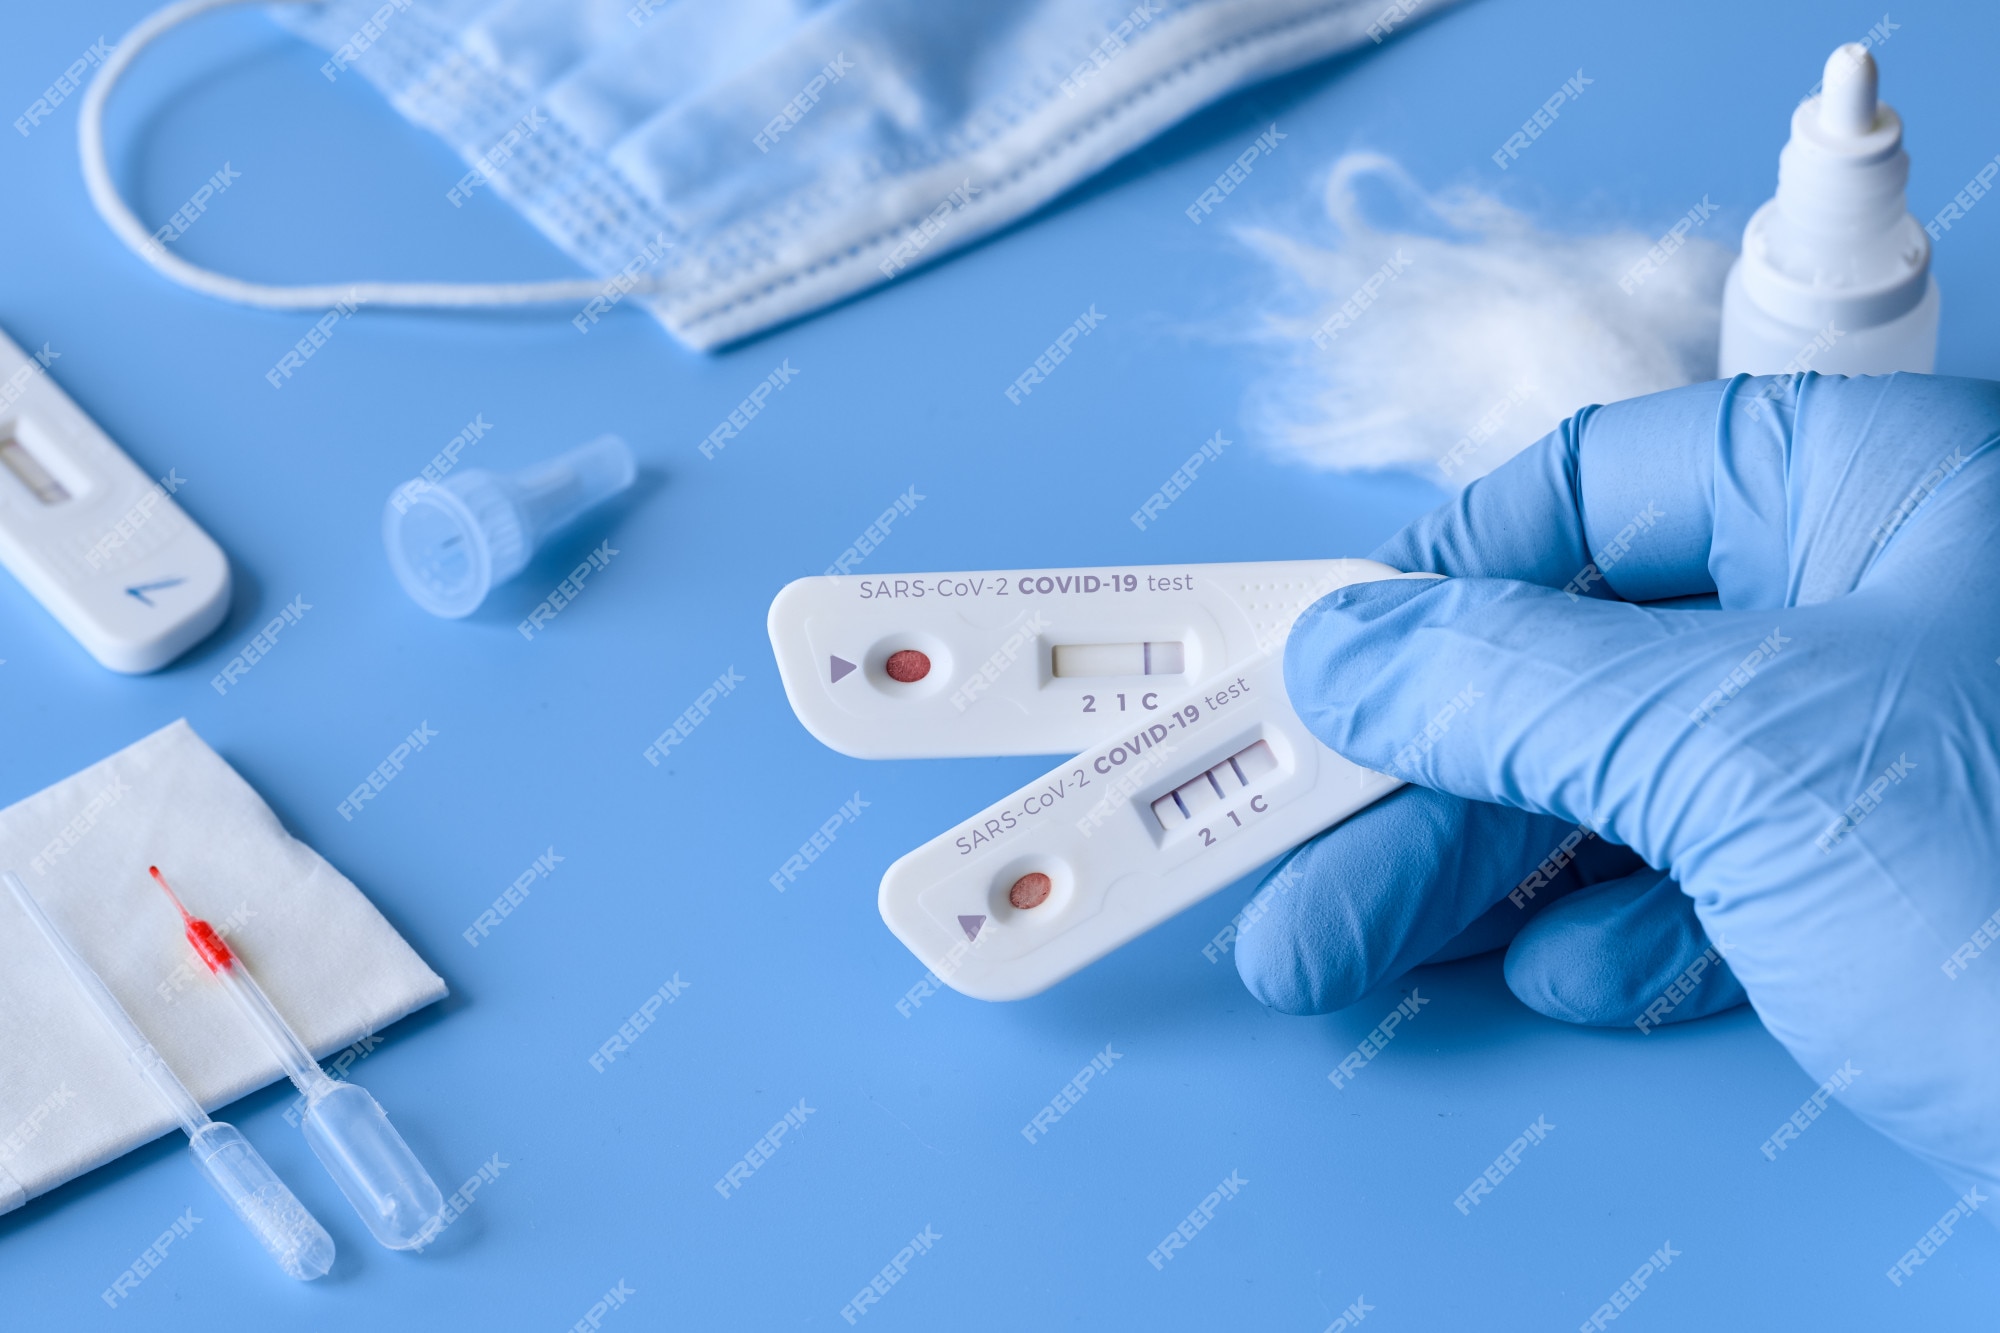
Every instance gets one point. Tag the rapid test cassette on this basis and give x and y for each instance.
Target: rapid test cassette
(97, 541)
(1042, 661)
(1154, 818)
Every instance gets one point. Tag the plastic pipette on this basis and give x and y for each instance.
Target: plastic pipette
(291, 1234)
(348, 1132)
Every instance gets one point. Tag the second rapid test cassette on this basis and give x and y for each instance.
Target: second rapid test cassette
(1135, 829)
(1041, 661)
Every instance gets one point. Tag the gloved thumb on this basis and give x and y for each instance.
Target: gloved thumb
(1511, 692)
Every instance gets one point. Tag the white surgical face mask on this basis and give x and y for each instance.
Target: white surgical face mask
(736, 163)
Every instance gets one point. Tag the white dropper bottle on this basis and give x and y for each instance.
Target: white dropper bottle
(1835, 273)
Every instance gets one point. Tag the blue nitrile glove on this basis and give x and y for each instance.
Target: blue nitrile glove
(1807, 751)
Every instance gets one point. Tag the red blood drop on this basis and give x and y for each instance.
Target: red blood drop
(908, 666)
(201, 936)
(208, 944)
(1031, 890)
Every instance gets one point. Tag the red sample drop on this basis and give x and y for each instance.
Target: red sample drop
(908, 666)
(200, 934)
(1031, 890)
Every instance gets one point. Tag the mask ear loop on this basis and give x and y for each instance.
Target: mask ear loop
(112, 208)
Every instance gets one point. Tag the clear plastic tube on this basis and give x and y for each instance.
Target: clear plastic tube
(348, 1131)
(289, 1233)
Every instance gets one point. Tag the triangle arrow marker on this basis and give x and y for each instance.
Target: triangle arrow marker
(970, 925)
(841, 666)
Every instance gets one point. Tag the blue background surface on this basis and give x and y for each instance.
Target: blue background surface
(609, 1175)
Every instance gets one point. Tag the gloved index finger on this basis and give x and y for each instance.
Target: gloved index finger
(1615, 502)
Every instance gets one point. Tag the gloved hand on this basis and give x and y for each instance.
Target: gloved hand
(1803, 751)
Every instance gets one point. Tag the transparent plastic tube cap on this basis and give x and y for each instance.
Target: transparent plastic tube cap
(451, 541)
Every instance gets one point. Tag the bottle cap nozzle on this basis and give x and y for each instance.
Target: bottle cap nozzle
(1835, 254)
(1847, 100)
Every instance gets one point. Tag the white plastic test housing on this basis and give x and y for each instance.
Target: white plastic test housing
(1127, 834)
(1835, 273)
(97, 541)
(1188, 778)
(1032, 661)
